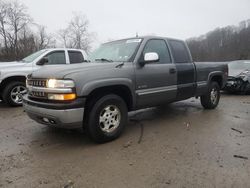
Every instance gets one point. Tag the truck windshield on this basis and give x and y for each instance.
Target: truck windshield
(117, 51)
(33, 56)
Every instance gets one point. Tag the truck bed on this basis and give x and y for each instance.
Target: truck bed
(203, 73)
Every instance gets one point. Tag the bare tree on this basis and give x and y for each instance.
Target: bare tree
(3, 22)
(18, 35)
(26, 42)
(64, 37)
(77, 34)
(43, 39)
(18, 19)
(79, 30)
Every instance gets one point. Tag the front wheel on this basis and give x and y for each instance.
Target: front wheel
(13, 93)
(107, 118)
(212, 98)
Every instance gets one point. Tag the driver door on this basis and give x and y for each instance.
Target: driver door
(156, 81)
(54, 58)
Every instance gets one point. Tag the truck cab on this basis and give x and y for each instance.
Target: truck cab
(171, 77)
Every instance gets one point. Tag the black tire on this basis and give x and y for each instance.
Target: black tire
(7, 93)
(210, 101)
(97, 109)
(245, 89)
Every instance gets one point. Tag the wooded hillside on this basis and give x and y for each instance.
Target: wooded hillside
(222, 44)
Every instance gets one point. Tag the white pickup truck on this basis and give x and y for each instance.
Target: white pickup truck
(13, 74)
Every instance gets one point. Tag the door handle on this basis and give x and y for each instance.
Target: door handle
(172, 71)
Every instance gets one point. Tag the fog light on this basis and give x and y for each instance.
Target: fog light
(62, 97)
(52, 122)
(46, 120)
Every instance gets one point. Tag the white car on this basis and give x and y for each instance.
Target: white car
(13, 74)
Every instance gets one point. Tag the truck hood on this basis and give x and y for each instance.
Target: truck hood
(244, 75)
(4, 65)
(234, 72)
(62, 71)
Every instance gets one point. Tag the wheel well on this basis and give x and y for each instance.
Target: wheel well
(11, 79)
(120, 90)
(217, 79)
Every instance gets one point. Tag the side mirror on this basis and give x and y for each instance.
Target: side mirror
(150, 58)
(43, 61)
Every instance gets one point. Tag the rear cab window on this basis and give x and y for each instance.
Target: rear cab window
(75, 57)
(179, 51)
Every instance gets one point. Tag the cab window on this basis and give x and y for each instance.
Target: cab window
(180, 51)
(159, 47)
(57, 57)
(75, 57)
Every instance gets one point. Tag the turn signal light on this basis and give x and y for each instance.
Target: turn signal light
(62, 97)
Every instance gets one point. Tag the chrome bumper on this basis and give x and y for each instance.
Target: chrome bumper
(69, 118)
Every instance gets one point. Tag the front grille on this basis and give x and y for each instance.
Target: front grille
(37, 82)
(41, 83)
(35, 94)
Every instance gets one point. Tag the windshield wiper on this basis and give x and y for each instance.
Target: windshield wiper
(87, 61)
(103, 59)
(119, 65)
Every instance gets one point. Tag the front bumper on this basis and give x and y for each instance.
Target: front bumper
(64, 116)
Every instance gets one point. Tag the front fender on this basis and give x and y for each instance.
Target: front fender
(9, 75)
(92, 85)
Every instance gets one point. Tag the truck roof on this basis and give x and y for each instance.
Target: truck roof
(74, 49)
(154, 36)
(63, 49)
(145, 37)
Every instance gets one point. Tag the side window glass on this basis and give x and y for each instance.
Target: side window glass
(179, 51)
(159, 47)
(75, 57)
(56, 58)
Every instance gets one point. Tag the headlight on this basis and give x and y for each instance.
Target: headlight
(53, 83)
(61, 84)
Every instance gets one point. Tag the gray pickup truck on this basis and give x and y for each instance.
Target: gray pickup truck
(121, 76)
(13, 74)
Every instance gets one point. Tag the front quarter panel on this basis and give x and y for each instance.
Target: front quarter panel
(88, 80)
(16, 71)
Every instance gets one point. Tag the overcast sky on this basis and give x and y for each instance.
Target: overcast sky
(114, 19)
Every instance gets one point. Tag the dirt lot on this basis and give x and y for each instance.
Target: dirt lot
(180, 145)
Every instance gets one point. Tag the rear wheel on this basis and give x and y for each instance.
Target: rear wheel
(212, 98)
(107, 118)
(13, 93)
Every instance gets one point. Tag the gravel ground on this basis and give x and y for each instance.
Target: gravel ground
(179, 145)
